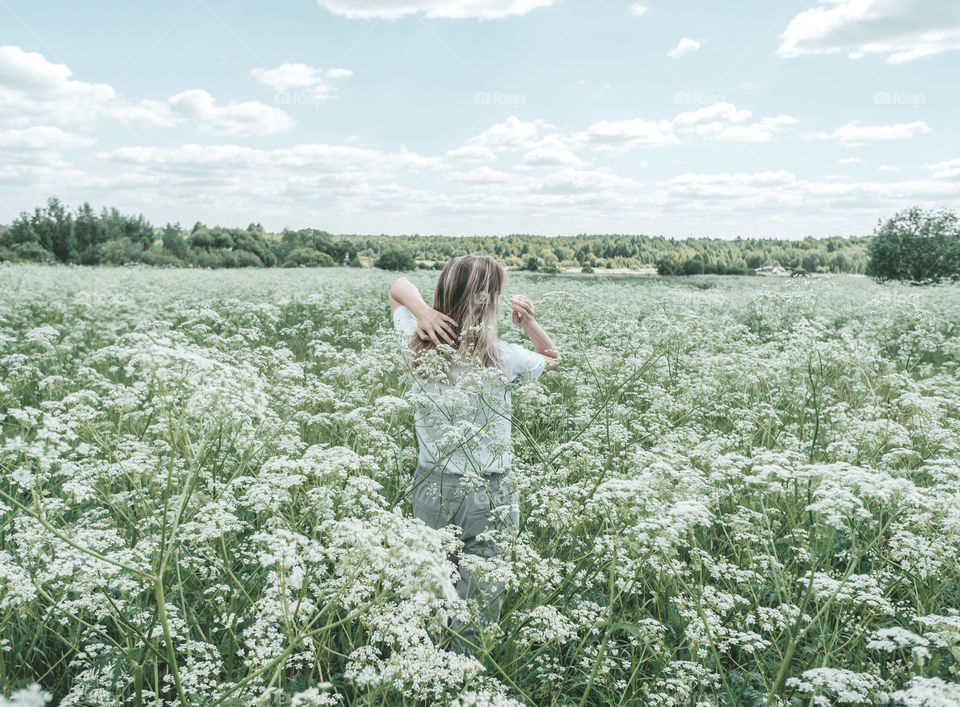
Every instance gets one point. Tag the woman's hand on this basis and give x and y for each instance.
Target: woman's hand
(434, 325)
(522, 309)
(431, 324)
(523, 316)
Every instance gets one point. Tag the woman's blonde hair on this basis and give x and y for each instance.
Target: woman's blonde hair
(469, 292)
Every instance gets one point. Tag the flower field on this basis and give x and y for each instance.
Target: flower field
(733, 491)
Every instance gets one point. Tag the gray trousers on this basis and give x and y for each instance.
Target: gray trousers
(443, 498)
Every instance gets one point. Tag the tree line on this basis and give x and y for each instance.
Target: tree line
(55, 234)
(670, 256)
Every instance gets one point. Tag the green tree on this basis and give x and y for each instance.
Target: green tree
(916, 245)
(88, 233)
(173, 241)
(395, 259)
(201, 238)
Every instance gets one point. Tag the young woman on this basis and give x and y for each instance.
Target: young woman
(462, 377)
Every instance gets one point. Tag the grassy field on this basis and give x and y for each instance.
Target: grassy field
(737, 491)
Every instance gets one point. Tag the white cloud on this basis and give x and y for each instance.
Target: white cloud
(685, 46)
(42, 138)
(764, 130)
(720, 121)
(247, 119)
(782, 193)
(600, 183)
(481, 175)
(512, 134)
(242, 119)
(31, 156)
(709, 118)
(607, 134)
(33, 89)
(306, 181)
(311, 79)
(355, 189)
(637, 9)
(457, 9)
(888, 168)
(317, 158)
(903, 30)
(949, 169)
(472, 153)
(855, 133)
(550, 157)
(545, 145)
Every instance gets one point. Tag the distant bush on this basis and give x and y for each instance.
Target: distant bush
(395, 259)
(162, 258)
(308, 258)
(916, 246)
(246, 259)
(118, 252)
(667, 267)
(586, 269)
(33, 252)
(532, 263)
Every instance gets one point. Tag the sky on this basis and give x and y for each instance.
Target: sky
(470, 117)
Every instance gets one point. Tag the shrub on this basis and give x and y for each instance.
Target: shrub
(666, 267)
(395, 259)
(212, 259)
(532, 263)
(917, 246)
(308, 258)
(162, 258)
(32, 251)
(119, 251)
(586, 269)
(246, 259)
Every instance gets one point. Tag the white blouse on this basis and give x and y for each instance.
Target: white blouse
(465, 426)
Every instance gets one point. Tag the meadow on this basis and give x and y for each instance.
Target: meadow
(733, 491)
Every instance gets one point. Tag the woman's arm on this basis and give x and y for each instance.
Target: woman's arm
(430, 322)
(542, 343)
(403, 292)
